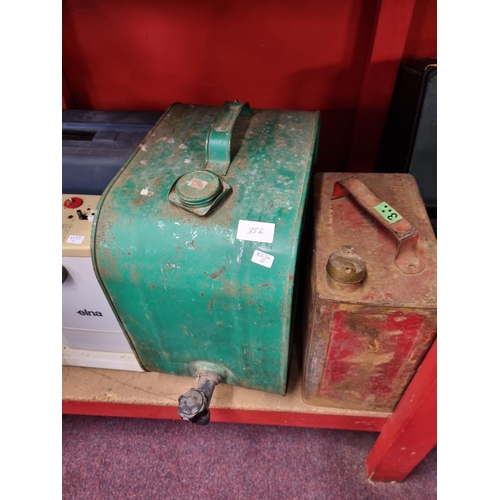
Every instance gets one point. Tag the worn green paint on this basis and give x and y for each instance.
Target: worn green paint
(218, 143)
(182, 286)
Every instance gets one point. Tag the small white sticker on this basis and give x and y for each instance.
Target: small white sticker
(262, 232)
(262, 258)
(76, 240)
(197, 183)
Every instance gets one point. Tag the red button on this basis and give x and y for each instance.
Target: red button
(74, 202)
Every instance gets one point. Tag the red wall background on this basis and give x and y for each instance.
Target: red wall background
(282, 54)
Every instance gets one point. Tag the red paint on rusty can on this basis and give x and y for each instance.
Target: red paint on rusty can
(364, 344)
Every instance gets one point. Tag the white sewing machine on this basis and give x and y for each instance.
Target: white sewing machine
(91, 335)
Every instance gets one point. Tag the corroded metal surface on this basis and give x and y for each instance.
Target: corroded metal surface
(184, 288)
(363, 347)
(346, 266)
(406, 233)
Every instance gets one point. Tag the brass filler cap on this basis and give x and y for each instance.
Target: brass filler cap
(345, 266)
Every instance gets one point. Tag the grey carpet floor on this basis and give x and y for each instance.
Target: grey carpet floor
(124, 458)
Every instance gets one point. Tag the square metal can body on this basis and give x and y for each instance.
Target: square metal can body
(364, 345)
(190, 288)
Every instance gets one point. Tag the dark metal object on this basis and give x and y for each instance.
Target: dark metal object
(81, 216)
(96, 144)
(194, 404)
(409, 143)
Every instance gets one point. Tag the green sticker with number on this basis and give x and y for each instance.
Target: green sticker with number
(387, 212)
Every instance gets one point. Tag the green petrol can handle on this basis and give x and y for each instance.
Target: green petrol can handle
(201, 191)
(406, 233)
(218, 142)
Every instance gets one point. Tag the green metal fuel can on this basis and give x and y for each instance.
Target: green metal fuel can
(195, 245)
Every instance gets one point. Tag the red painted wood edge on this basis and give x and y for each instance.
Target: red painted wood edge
(390, 34)
(411, 431)
(346, 422)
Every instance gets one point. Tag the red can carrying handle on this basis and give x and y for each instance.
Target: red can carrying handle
(405, 232)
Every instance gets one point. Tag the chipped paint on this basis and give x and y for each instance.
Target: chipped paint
(364, 347)
(238, 259)
(213, 306)
(216, 274)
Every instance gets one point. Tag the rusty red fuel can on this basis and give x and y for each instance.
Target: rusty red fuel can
(372, 299)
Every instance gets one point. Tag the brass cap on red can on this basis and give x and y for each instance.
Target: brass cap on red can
(345, 266)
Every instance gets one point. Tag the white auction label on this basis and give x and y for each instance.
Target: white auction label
(76, 240)
(262, 232)
(262, 258)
